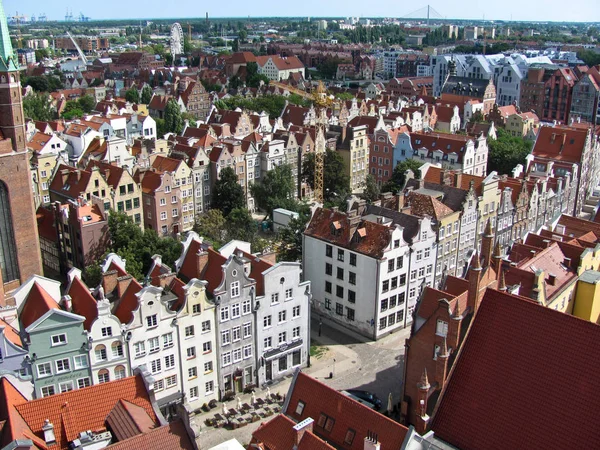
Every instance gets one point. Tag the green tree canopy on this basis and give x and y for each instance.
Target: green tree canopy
(132, 95)
(275, 189)
(506, 152)
(290, 239)
(253, 78)
(371, 190)
(227, 194)
(336, 183)
(172, 117)
(240, 225)
(146, 95)
(211, 226)
(37, 106)
(72, 110)
(398, 178)
(87, 103)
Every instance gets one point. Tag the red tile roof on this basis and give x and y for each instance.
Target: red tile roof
(279, 434)
(70, 412)
(523, 379)
(425, 205)
(168, 437)
(560, 143)
(14, 427)
(213, 272)
(129, 302)
(46, 224)
(128, 419)
(11, 333)
(257, 268)
(348, 414)
(165, 164)
(373, 242)
(83, 302)
(37, 303)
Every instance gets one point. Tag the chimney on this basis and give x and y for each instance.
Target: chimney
(300, 428)
(201, 262)
(166, 279)
(457, 179)
(371, 442)
(78, 172)
(567, 262)
(109, 281)
(67, 302)
(551, 279)
(270, 258)
(122, 284)
(65, 175)
(441, 364)
(48, 430)
(106, 174)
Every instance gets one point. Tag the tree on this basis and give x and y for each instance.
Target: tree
(146, 95)
(398, 178)
(253, 78)
(37, 106)
(227, 193)
(506, 152)
(336, 183)
(72, 110)
(235, 46)
(371, 190)
(240, 225)
(477, 117)
(172, 117)
(86, 103)
(275, 189)
(211, 226)
(290, 237)
(132, 95)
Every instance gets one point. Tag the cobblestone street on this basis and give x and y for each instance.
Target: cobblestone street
(354, 362)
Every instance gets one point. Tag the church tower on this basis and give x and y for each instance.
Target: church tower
(19, 243)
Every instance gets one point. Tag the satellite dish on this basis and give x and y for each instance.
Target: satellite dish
(176, 40)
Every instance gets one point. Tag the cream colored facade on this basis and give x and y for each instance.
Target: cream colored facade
(520, 125)
(487, 205)
(355, 153)
(42, 171)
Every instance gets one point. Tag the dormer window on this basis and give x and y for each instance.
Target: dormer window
(336, 228)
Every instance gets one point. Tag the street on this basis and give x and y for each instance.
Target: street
(354, 363)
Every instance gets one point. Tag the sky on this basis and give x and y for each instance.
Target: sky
(532, 10)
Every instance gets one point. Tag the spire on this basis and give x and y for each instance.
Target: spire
(424, 383)
(488, 229)
(476, 264)
(7, 55)
(457, 311)
(502, 282)
(498, 250)
(444, 349)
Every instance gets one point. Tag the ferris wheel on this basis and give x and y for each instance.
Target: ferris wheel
(176, 39)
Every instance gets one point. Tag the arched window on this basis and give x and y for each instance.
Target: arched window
(120, 372)
(103, 376)
(8, 248)
(117, 349)
(100, 351)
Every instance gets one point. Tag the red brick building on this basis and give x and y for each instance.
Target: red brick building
(19, 246)
(548, 92)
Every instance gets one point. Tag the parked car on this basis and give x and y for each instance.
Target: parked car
(366, 396)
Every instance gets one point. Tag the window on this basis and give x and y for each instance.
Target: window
(351, 296)
(300, 408)
(339, 309)
(153, 344)
(282, 316)
(226, 359)
(349, 436)
(196, 309)
(139, 349)
(326, 422)
(163, 215)
(224, 313)
(235, 311)
(163, 202)
(296, 311)
(393, 300)
(209, 387)
(282, 337)
(194, 392)
(247, 327)
(268, 342)
(191, 351)
(189, 331)
(80, 362)
(206, 348)
(225, 337)
(328, 287)
(400, 262)
(340, 273)
(168, 340)
(83, 383)
(120, 372)
(328, 251)
(340, 255)
(155, 366)
(47, 391)
(352, 259)
(339, 291)
(327, 304)
(352, 278)
(44, 369)
(350, 314)
(289, 294)
(103, 376)
(237, 355)
(208, 366)
(246, 307)
(267, 321)
(400, 316)
(193, 372)
(296, 332)
(59, 339)
(100, 353)
(234, 289)
(382, 323)
(63, 365)
(391, 265)
(247, 351)
(391, 319)
(413, 274)
(171, 381)
(169, 361)
(274, 299)
(386, 286)
(159, 385)
(328, 269)
(419, 255)
(236, 333)
(106, 332)
(151, 321)
(384, 304)
(441, 328)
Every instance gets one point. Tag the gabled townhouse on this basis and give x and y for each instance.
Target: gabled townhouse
(108, 352)
(161, 201)
(525, 124)
(585, 104)
(55, 340)
(183, 185)
(140, 126)
(111, 150)
(14, 354)
(198, 161)
(353, 145)
(79, 136)
(461, 153)
(448, 118)
(239, 121)
(111, 125)
(48, 150)
(194, 97)
(548, 91)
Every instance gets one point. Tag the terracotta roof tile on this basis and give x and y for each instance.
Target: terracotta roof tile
(128, 419)
(74, 406)
(128, 303)
(321, 399)
(560, 143)
(46, 224)
(11, 333)
(279, 434)
(83, 302)
(424, 205)
(503, 389)
(172, 437)
(37, 303)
